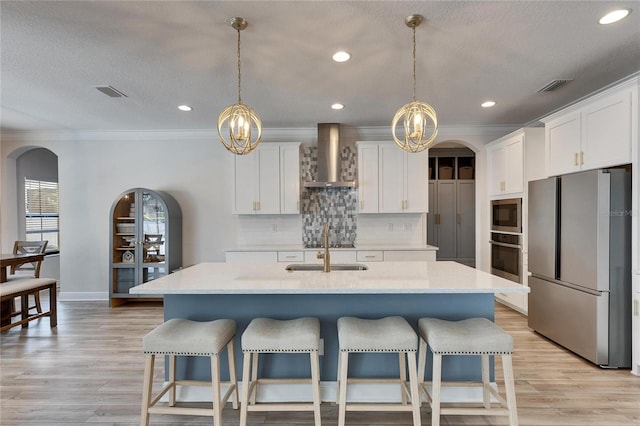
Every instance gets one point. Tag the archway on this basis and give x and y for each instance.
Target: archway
(451, 221)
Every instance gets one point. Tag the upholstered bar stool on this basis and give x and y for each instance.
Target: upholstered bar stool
(266, 335)
(189, 338)
(473, 336)
(390, 334)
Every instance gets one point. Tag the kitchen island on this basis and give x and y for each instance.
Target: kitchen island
(445, 290)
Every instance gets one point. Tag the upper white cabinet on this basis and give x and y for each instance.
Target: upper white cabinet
(368, 177)
(267, 181)
(595, 133)
(506, 164)
(402, 179)
(290, 178)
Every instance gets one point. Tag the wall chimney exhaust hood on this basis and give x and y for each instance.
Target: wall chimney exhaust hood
(329, 163)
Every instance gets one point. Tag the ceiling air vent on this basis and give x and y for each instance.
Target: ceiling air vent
(111, 91)
(554, 84)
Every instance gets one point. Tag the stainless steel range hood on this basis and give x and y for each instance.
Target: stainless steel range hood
(329, 159)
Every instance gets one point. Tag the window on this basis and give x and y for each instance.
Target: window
(42, 212)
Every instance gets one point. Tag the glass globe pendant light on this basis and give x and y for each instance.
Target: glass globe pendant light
(419, 118)
(239, 127)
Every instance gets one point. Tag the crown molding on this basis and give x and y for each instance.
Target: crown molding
(297, 134)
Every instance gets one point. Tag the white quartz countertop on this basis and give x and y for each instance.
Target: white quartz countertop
(380, 278)
(361, 247)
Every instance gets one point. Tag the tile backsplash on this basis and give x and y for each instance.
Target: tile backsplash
(335, 206)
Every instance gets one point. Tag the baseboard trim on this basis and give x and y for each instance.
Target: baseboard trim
(83, 296)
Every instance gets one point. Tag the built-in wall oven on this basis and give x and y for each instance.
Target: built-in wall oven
(506, 256)
(506, 215)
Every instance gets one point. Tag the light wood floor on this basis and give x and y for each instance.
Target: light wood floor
(89, 371)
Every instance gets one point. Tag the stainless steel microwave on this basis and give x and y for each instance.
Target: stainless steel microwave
(506, 215)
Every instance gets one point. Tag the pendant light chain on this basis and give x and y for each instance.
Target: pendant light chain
(239, 96)
(414, 63)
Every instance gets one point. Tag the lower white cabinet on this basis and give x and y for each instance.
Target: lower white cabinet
(337, 256)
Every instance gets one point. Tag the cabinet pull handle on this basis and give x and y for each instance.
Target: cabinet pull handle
(581, 157)
(437, 218)
(635, 307)
(290, 257)
(369, 256)
(575, 159)
(502, 186)
(459, 218)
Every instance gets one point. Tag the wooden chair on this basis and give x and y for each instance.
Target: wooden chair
(29, 269)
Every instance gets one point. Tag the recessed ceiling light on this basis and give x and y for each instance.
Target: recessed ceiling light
(337, 106)
(341, 56)
(614, 16)
(184, 108)
(487, 104)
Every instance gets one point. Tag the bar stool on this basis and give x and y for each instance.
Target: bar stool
(266, 335)
(473, 336)
(390, 334)
(190, 338)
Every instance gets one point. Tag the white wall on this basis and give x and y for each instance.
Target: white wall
(95, 167)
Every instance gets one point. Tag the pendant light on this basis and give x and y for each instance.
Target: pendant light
(415, 115)
(239, 127)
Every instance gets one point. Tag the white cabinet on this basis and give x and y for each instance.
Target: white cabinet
(402, 181)
(290, 178)
(595, 133)
(336, 256)
(505, 164)
(367, 177)
(267, 181)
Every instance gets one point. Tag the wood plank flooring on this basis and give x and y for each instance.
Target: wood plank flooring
(89, 371)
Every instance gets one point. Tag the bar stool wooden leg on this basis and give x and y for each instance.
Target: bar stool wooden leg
(232, 373)
(254, 377)
(146, 389)
(342, 404)
(486, 396)
(172, 380)
(413, 384)
(510, 389)
(246, 375)
(436, 383)
(403, 376)
(315, 378)
(339, 371)
(215, 387)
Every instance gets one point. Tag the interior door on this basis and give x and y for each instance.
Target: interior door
(466, 219)
(447, 219)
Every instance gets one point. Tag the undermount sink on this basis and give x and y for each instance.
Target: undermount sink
(320, 267)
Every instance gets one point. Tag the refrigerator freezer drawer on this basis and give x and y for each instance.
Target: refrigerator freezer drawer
(572, 318)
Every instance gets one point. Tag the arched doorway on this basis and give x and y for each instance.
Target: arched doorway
(451, 221)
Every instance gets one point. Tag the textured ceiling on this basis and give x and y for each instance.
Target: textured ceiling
(163, 53)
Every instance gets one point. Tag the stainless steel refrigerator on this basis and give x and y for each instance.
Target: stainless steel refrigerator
(579, 246)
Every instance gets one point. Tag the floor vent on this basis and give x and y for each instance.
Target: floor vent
(111, 91)
(554, 84)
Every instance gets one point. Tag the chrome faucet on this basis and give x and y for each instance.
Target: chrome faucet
(325, 244)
